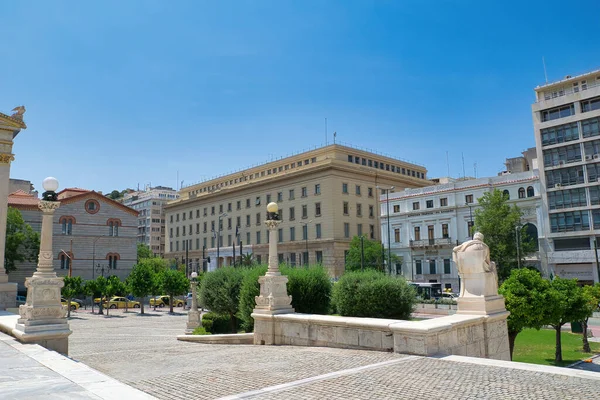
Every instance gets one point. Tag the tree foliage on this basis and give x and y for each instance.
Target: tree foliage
(142, 281)
(220, 292)
(592, 297)
(374, 255)
(499, 222)
(22, 242)
(143, 251)
(527, 297)
(173, 283)
(73, 286)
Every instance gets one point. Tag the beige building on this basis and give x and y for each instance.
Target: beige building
(325, 196)
(566, 118)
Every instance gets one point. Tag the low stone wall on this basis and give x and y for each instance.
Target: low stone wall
(466, 335)
(437, 309)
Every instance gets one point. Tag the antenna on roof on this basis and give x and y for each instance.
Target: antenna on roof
(545, 74)
(463, 161)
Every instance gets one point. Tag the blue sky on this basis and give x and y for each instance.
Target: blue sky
(126, 92)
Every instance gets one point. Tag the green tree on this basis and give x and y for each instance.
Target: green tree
(592, 296)
(142, 281)
(115, 195)
(527, 297)
(114, 286)
(374, 255)
(22, 242)
(99, 289)
(499, 224)
(143, 251)
(173, 283)
(73, 286)
(248, 259)
(220, 292)
(568, 304)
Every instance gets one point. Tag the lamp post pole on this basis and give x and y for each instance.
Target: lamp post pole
(387, 200)
(470, 221)
(219, 236)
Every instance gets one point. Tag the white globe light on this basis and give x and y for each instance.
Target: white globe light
(50, 184)
(194, 275)
(272, 207)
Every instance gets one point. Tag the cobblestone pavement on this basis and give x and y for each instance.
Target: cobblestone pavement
(143, 352)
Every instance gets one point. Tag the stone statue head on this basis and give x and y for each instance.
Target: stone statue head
(478, 236)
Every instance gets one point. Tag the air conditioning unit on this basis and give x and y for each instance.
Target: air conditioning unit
(557, 186)
(596, 156)
(588, 158)
(561, 162)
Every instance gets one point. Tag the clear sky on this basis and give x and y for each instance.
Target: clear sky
(121, 93)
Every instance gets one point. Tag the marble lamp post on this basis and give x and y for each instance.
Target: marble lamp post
(273, 298)
(43, 317)
(193, 313)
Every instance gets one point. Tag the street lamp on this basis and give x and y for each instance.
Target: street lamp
(305, 224)
(219, 235)
(193, 314)
(470, 220)
(387, 200)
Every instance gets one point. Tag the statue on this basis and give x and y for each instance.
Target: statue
(473, 257)
(18, 112)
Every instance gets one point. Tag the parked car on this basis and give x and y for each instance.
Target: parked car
(121, 302)
(21, 300)
(188, 300)
(78, 301)
(163, 300)
(449, 296)
(73, 305)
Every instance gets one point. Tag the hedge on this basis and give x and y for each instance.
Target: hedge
(216, 323)
(250, 289)
(373, 294)
(220, 292)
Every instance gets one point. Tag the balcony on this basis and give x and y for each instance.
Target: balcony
(439, 242)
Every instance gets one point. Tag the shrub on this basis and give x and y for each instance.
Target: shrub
(310, 289)
(373, 294)
(216, 323)
(250, 289)
(220, 292)
(200, 331)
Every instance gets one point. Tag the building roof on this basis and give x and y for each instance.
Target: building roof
(566, 79)
(16, 122)
(23, 201)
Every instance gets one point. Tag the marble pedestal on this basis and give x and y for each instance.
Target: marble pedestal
(273, 300)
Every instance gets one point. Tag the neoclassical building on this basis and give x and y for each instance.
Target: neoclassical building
(92, 234)
(426, 223)
(325, 196)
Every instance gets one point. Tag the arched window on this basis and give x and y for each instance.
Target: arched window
(66, 224)
(113, 226)
(532, 234)
(112, 260)
(521, 193)
(65, 260)
(506, 194)
(530, 191)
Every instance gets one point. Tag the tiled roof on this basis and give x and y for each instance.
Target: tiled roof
(22, 199)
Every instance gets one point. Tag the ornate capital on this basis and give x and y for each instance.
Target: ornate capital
(48, 206)
(272, 224)
(6, 158)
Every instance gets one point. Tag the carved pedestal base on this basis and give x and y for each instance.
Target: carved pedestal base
(43, 317)
(273, 300)
(193, 321)
(8, 295)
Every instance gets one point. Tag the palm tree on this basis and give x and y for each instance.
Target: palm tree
(248, 259)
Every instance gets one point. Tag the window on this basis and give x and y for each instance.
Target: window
(530, 192)
(469, 198)
(238, 205)
(247, 203)
(318, 230)
(304, 191)
(292, 234)
(359, 231)
(228, 240)
(317, 189)
(92, 206)
(396, 208)
(258, 237)
(569, 176)
(571, 198)
(191, 215)
(292, 214)
(248, 220)
(65, 261)
(345, 208)
(279, 196)
(345, 188)
(220, 208)
(357, 190)
(429, 204)
(304, 211)
(205, 214)
(418, 267)
(280, 235)
(370, 192)
(212, 210)
(228, 223)
(67, 225)
(112, 261)
(177, 217)
(558, 112)
(113, 227)
(560, 134)
(183, 231)
(258, 218)
(521, 193)
(417, 230)
(416, 205)
(359, 210)
(317, 209)
(257, 201)
(372, 231)
(346, 230)
(304, 232)
(444, 202)
(447, 269)
(170, 232)
(445, 234)
(570, 221)
(291, 194)
(268, 200)
(506, 194)
(171, 220)
(319, 255)
(562, 155)
(371, 211)
(396, 235)
(590, 105)
(432, 270)
(590, 127)
(229, 207)
(247, 238)
(238, 222)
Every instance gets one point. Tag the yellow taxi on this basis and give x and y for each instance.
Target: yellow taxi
(163, 300)
(74, 305)
(120, 302)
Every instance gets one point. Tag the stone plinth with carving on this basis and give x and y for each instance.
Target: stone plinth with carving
(273, 298)
(43, 317)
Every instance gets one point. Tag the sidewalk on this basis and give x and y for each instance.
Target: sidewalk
(29, 371)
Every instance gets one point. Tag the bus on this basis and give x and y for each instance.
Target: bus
(427, 290)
